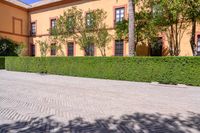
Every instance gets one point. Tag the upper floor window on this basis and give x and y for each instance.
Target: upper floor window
(33, 28)
(156, 10)
(53, 23)
(89, 20)
(119, 14)
(70, 24)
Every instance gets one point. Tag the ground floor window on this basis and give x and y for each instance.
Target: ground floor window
(53, 49)
(32, 50)
(119, 48)
(156, 47)
(89, 50)
(70, 49)
(198, 44)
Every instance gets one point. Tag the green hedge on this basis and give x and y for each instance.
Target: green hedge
(168, 70)
(2, 62)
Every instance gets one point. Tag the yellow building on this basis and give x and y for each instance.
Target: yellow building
(14, 21)
(30, 23)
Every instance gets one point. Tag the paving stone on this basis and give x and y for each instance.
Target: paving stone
(48, 103)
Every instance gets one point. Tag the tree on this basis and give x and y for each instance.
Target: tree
(101, 35)
(131, 27)
(70, 26)
(121, 29)
(101, 40)
(44, 46)
(155, 17)
(171, 16)
(20, 49)
(9, 47)
(57, 48)
(193, 15)
(85, 30)
(146, 28)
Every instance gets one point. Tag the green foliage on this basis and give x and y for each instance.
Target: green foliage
(121, 30)
(193, 15)
(58, 48)
(102, 39)
(72, 25)
(9, 47)
(68, 25)
(19, 49)
(101, 35)
(146, 26)
(174, 22)
(84, 29)
(169, 70)
(192, 10)
(155, 17)
(44, 47)
(2, 62)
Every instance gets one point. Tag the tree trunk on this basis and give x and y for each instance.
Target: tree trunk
(131, 27)
(176, 48)
(103, 52)
(192, 41)
(172, 41)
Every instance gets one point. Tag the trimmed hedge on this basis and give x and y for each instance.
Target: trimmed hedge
(168, 70)
(2, 62)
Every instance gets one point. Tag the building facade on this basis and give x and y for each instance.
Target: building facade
(31, 23)
(14, 21)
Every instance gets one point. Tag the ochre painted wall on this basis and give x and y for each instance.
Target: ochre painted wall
(42, 18)
(14, 23)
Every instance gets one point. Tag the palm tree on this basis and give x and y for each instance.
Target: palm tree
(193, 14)
(131, 27)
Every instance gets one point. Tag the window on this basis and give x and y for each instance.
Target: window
(89, 20)
(70, 24)
(53, 23)
(156, 10)
(89, 51)
(198, 44)
(70, 49)
(53, 49)
(33, 28)
(119, 14)
(156, 47)
(32, 50)
(119, 48)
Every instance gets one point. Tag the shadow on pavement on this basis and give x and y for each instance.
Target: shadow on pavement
(135, 123)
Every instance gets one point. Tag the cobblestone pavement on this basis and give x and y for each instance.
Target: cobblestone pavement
(49, 103)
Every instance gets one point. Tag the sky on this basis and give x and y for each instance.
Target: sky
(29, 1)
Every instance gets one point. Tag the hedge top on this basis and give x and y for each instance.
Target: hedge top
(169, 70)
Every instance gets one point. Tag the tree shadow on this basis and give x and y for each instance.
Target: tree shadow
(135, 123)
